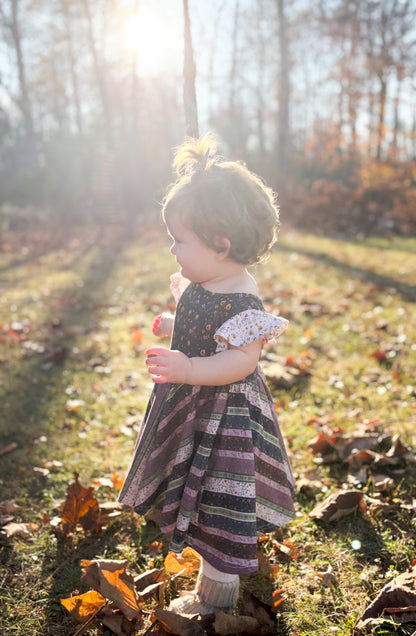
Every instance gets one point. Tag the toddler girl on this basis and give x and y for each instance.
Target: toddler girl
(210, 464)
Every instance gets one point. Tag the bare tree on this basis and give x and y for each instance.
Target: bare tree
(67, 20)
(99, 75)
(189, 75)
(23, 101)
(283, 122)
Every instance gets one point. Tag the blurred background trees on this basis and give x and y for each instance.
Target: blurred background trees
(318, 97)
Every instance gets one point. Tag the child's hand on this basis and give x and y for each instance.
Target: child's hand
(163, 325)
(165, 365)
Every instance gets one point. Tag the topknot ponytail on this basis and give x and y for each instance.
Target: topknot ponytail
(195, 155)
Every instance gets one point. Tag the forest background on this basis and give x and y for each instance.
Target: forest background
(318, 97)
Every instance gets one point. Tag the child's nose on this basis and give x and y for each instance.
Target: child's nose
(173, 249)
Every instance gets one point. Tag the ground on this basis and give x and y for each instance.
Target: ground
(76, 312)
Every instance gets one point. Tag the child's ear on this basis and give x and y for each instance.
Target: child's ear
(222, 245)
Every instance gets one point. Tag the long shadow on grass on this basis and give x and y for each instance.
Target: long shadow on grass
(26, 402)
(407, 292)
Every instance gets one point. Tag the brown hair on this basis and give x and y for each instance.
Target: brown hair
(219, 198)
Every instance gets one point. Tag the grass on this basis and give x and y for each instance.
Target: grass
(74, 308)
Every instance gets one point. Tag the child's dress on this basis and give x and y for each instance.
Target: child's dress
(210, 464)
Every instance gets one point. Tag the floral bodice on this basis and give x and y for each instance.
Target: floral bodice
(206, 322)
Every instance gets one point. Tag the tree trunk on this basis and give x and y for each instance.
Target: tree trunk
(72, 65)
(24, 99)
(189, 74)
(134, 82)
(284, 94)
(99, 76)
(381, 111)
(396, 125)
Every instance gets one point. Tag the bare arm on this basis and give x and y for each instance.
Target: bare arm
(225, 367)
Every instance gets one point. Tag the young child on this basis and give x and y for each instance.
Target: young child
(210, 464)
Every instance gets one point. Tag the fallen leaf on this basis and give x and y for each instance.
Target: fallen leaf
(137, 336)
(74, 405)
(253, 606)
(118, 623)
(328, 578)
(117, 481)
(8, 448)
(278, 598)
(397, 598)
(80, 507)
(152, 583)
(84, 606)
(187, 562)
(339, 504)
(21, 530)
(8, 507)
(177, 624)
(111, 579)
(154, 548)
(287, 548)
(229, 624)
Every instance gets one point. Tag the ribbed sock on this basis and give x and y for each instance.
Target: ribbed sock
(215, 590)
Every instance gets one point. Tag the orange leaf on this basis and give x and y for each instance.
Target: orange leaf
(137, 336)
(79, 507)
(154, 548)
(290, 361)
(274, 569)
(378, 354)
(84, 606)
(117, 481)
(187, 562)
(293, 551)
(111, 579)
(395, 374)
(277, 598)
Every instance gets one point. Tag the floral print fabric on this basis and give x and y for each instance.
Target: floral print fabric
(247, 326)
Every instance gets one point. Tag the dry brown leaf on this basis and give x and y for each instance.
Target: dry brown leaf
(253, 606)
(328, 578)
(230, 624)
(21, 530)
(8, 507)
(118, 623)
(150, 577)
(110, 579)
(177, 624)
(8, 448)
(187, 562)
(340, 504)
(397, 598)
(287, 548)
(84, 606)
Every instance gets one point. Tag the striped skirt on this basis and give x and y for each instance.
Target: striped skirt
(211, 468)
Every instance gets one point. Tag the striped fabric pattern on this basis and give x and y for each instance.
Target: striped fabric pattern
(211, 468)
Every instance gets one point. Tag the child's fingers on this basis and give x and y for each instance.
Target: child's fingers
(155, 362)
(157, 351)
(156, 370)
(159, 379)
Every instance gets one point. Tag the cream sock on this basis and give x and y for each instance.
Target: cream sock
(215, 588)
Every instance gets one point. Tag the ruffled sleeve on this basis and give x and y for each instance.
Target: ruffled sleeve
(247, 326)
(178, 284)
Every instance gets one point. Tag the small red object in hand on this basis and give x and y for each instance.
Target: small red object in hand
(156, 324)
